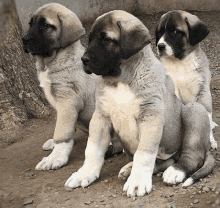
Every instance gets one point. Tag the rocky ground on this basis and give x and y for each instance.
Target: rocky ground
(22, 186)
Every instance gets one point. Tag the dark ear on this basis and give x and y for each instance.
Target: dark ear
(71, 29)
(133, 37)
(160, 29)
(197, 29)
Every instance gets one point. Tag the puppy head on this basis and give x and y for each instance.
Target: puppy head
(52, 26)
(177, 33)
(114, 36)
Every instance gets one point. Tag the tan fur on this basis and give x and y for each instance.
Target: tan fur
(141, 107)
(191, 75)
(66, 86)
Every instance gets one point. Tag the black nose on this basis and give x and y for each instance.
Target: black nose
(161, 46)
(25, 40)
(85, 60)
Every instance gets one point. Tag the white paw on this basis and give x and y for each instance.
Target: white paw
(173, 176)
(48, 145)
(125, 171)
(83, 177)
(214, 144)
(58, 157)
(213, 124)
(138, 183)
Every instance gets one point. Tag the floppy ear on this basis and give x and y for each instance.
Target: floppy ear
(133, 37)
(160, 29)
(71, 29)
(197, 29)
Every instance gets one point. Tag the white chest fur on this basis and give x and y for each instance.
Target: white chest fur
(121, 104)
(46, 85)
(186, 78)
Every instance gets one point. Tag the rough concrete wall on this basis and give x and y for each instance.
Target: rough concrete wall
(150, 6)
(84, 9)
(91, 9)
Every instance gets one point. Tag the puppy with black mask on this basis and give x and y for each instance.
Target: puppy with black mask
(137, 101)
(54, 39)
(178, 34)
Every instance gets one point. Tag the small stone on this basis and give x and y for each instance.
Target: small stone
(217, 192)
(28, 174)
(217, 202)
(184, 193)
(206, 189)
(213, 188)
(196, 201)
(134, 198)
(208, 202)
(114, 195)
(102, 200)
(194, 193)
(96, 205)
(106, 181)
(200, 192)
(124, 194)
(29, 201)
(191, 197)
(87, 203)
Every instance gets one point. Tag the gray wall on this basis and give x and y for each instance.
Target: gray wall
(91, 9)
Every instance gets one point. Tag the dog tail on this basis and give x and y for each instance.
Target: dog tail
(206, 169)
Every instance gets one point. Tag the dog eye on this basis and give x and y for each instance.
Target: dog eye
(46, 25)
(106, 39)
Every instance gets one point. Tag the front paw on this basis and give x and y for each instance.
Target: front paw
(138, 183)
(83, 177)
(173, 176)
(125, 171)
(58, 158)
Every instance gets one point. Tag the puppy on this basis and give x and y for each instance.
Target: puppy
(178, 35)
(137, 100)
(54, 38)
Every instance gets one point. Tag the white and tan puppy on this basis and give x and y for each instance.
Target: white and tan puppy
(178, 35)
(137, 100)
(54, 38)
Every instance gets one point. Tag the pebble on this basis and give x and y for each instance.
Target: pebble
(206, 189)
(217, 202)
(196, 201)
(29, 201)
(106, 181)
(87, 203)
(114, 195)
(29, 174)
(208, 202)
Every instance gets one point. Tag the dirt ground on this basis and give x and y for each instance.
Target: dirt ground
(22, 186)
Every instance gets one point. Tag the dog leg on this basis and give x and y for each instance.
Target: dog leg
(151, 128)
(97, 145)
(195, 144)
(67, 116)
